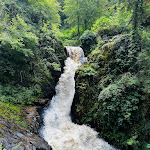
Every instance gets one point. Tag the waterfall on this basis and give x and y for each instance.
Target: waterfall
(58, 129)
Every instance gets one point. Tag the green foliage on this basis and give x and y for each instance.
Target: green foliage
(113, 87)
(17, 44)
(144, 62)
(68, 36)
(20, 94)
(102, 22)
(114, 100)
(64, 34)
(119, 17)
(17, 36)
(48, 10)
(33, 12)
(87, 70)
(113, 30)
(13, 113)
(22, 62)
(82, 13)
(132, 140)
(55, 66)
(71, 42)
(88, 39)
(148, 146)
(29, 52)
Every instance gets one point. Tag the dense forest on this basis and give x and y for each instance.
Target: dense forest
(112, 88)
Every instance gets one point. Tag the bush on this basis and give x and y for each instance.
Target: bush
(13, 113)
(28, 57)
(88, 39)
(113, 30)
(119, 17)
(102, 22)
(19, 94)
(71, 42)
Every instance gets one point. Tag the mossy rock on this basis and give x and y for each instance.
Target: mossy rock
(12, 113)
(113, 30)
(108, 46)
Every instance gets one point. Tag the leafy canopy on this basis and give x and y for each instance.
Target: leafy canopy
(83, 12)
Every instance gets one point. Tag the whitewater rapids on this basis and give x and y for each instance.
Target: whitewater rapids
(58, 129)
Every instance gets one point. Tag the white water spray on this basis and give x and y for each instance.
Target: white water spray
(58, 129)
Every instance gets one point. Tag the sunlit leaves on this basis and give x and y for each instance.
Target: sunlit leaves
(118, 17)
(49, 9)
(82, 12)
(18, 36)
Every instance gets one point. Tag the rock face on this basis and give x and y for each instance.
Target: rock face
(16, 136)
(13, 135)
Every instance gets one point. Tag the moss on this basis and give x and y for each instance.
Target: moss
(87, 70)
(95, 55)
(1, 135)
(1, 125)
(113, 30)
(12, 113)
(105, 56)
(95, 52)
(108, 47)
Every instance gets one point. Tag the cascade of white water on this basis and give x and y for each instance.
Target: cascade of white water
(58, 129)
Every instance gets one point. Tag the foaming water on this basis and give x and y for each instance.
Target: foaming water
(58, 129)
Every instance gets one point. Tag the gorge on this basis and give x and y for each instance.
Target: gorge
(58, 129)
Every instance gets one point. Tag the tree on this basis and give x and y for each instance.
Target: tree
(28, 49)
(48, 10)
(82, 13)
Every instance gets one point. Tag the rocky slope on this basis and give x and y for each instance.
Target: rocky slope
(13, 135)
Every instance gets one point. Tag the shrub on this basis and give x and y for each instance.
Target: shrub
(113, 30)
(102, 22)
(119, 17)
(19, 94)
(88, 39)
(13, 113)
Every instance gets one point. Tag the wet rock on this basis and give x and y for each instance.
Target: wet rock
(33, 114)
(15, 136)
(43, 101)
(32, 117)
